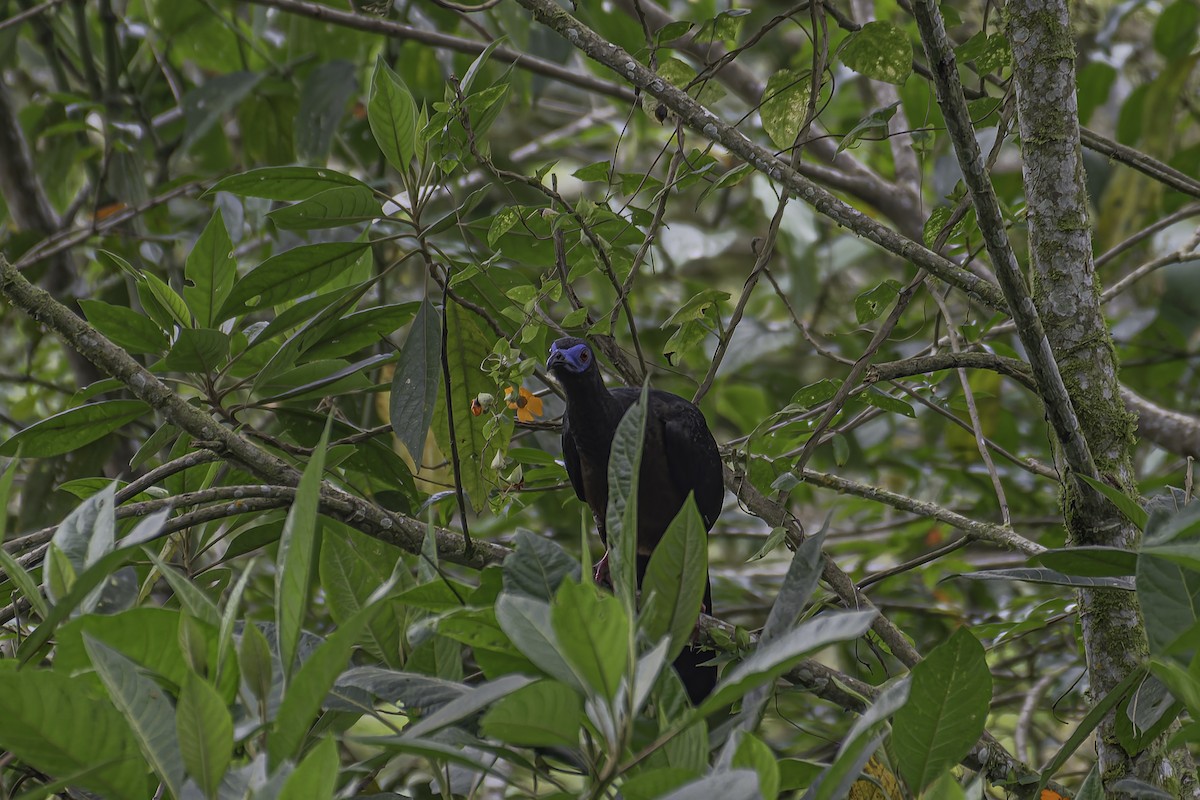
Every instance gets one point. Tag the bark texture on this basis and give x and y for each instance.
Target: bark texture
(1067, 296)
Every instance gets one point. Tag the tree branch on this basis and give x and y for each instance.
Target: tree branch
(704, 122)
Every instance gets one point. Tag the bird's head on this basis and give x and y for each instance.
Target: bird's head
(569, 357)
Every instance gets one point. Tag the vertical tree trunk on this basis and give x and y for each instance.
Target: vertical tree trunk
(1067, 295)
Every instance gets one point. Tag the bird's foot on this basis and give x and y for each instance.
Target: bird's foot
(601, 575)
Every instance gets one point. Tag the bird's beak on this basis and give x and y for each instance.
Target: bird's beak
(555, 359)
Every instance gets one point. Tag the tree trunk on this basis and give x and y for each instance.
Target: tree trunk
(1067, 296)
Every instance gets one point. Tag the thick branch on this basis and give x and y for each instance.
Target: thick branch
(991, 224)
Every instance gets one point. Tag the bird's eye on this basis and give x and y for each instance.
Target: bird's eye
(583, 357)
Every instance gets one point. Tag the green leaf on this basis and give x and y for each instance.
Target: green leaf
(162, 303)
(1169, 595)
(304, 694)
(210, 272)
(197, 350)
(676, 577)
(190, 596)
(125, 327)
(736, 784)
(297, 552)
(72, 429)
(291, 274)
(323, 104)
(545, 713)
(1126, 504)
(624, 466)
(593, 634)
(53, 723)
(785, 105)
(537, 566)
(526, 621)
(879, 50)
(466, 349)
(285, 183)
(1175, 31)
(392, 115)
(895, 405)
(23, 580)
(349, 575)
(205, 731)
(145, 707)
(468, 704)
(753, 753)
(332, 208)
(872, 303)
(254, 662)
(1042, 575)
(770, 661)
(947, 707)
(1089, 561)
(417, 380)
(502, 223)
(315, 778)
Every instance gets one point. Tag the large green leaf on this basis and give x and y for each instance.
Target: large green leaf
(197, 350)
(526, 621)
(466, 349)
(351, 567)
(125, 327)
(1169, 594)
(285, 183)
(297, 554)
(290, 274)
(72, 429)
(55, 724)
(772, 660)
(392, 115)
(316, 777)
(879, 50)
(205, 731)
(593, 634)
(624, 467)
(676, 577)
(545, 713)
(784, 105)
(947, 707)
(209, 272)
(416, 381)
(332, 208)
(145, 707)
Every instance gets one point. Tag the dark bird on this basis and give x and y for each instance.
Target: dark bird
(679, 456)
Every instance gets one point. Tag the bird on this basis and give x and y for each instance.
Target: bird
(679, 457)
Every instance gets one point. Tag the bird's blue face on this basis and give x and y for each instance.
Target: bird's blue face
(571, 357)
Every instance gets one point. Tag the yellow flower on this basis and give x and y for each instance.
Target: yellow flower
(527, 405)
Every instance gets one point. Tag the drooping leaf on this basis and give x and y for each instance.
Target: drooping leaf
(784, 106)
(879, 50)
(676, 578)
(290, 274)
(417, 381)
(624, 467)
(297, 554)
(205, 731)
(537, 566)
(947, 707)
(71, 429)
(145, 707)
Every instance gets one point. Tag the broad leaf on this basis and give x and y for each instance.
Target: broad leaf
(72, 429)
(417, 380)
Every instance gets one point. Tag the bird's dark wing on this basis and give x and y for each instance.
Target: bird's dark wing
(692, 454)
(571, 460)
